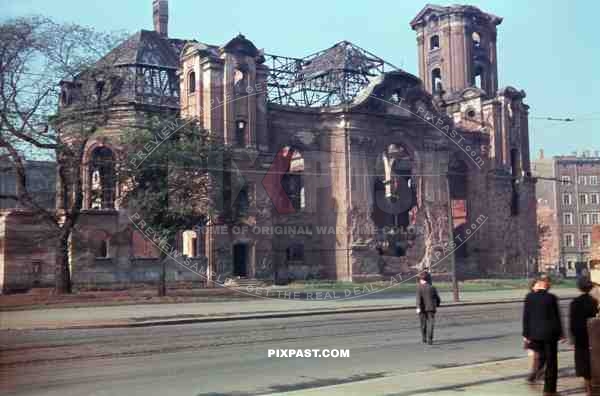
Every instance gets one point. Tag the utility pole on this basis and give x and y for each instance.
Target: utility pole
(455, 291)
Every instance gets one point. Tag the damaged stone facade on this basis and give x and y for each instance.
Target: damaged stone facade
(410, 173)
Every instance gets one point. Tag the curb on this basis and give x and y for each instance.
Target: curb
(272, 315)
(327, 389)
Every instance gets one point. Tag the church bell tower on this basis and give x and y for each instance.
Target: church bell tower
(457, 49)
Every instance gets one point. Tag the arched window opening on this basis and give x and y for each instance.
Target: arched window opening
(243, 203)
(514, 163)
(192, 82)
(65, 97)
(102, 180)
(434, 42)
(99, 90)
(240, 81)
(477, 76)
(476, 38)
(394, 198)
(190, 242)
(240, 133)
(98, 242)
(293, 180)
(436, 80)
(103, 251)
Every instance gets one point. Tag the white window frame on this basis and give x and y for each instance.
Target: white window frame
(582, 180)
(595, 218)
(586, 240)
(594, 180)
(585, 219)
(569, 240)
(568, 200)
(585, 200)
(565, 180)
(568, 215)
(595, 198)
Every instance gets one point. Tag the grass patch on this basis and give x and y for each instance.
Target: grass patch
(474, 285)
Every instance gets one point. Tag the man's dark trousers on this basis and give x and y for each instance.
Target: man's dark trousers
(427, 323)
(549, 354)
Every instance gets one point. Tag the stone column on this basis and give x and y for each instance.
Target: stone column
(594, 334)
(229, 103)
(422, 63)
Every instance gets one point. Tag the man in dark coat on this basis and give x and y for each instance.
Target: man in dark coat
(428, 300)
(581, 309)
(542, 327)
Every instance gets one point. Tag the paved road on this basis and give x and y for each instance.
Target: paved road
(231, 357)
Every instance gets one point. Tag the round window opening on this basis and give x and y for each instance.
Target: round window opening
(471, 113)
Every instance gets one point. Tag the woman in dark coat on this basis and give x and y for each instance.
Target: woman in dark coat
(582, 308)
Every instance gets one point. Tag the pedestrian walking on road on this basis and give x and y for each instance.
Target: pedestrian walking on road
(581, 309)
(428, 300)
(536, 371)
(542, 327)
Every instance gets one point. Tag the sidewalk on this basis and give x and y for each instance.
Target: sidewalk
(181, 313)
(504, 378)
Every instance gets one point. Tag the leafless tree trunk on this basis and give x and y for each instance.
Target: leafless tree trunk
(35, 55)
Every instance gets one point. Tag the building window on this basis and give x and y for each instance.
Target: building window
(436, 80)
(99, 90)
(102, 250)
(243, 203)
(566, 199)
(295, 252)
(565, 180)
(585, 219)
(434, 42)
(594, 198)
(476, 37)
(593, 180)
(102, 179)
(583, 199)
(192, 82)
(239, 82)
(569, 240)
(570, 265)
(293, 181)
(477, 76)
(586, 240)
(190, 243)
(568, 218)
(595, 218)
(581, 180)
(240, 133)
(65, 97)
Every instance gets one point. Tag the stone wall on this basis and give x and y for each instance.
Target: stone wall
(26, 252)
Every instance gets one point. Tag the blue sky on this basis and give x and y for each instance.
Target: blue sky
(547, 48)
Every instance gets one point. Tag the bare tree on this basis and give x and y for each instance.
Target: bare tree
(187, 180)
(36, 54)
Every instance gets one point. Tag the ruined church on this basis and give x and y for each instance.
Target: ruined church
(353, 169)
